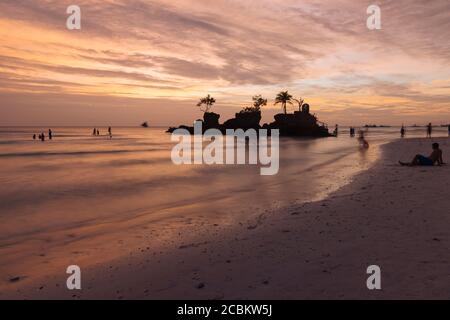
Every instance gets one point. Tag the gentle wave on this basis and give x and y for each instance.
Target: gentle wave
(72, 153)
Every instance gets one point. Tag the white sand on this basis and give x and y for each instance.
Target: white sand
(391, 216)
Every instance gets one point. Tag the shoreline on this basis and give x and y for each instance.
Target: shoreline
(316, 250)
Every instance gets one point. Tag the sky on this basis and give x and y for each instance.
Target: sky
(151, 60)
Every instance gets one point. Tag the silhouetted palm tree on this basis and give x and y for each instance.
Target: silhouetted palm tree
(300, 102)
(284, 98)
(208, 102)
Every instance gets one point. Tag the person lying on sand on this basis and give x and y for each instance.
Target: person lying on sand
(420, 160)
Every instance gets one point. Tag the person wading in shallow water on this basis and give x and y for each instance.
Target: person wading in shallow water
(402, 131)
(336, 131)
(362, 140)
(429, 130)
(352, 132)
(420, 160)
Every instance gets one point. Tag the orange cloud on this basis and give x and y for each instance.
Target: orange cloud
(179, 50)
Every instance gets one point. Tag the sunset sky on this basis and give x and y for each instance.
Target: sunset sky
(136, 60)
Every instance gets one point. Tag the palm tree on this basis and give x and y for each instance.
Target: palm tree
(284, 98)
(208, 102)
(300, 102)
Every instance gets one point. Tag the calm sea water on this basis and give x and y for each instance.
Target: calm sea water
(78, 180)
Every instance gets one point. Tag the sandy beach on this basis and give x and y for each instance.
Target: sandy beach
(391, 216)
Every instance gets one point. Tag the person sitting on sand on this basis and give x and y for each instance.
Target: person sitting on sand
(420, 160)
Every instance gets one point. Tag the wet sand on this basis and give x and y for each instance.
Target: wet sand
(391, 216)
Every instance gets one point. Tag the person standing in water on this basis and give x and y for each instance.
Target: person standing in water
(336, 130)
(34, 136)
(362, 140)
(110, 132)
(50, 134)
(429, 130)
(94, 133)
(402, 131)
(42, 137)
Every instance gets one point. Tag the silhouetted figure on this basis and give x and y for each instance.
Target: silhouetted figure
(94, 133)
(34, 136)
(98, 132)
(429, 130)
(352, 132)
(420, 160)
(42, 137)
(110, 132)
(402, 131)
(362, 140)
(336, 130)
(50, 134)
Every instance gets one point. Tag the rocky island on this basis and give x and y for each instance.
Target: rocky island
(301, 123)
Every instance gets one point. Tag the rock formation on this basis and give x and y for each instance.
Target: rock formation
(298, 124)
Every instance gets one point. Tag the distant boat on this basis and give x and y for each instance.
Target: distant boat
(145, 125)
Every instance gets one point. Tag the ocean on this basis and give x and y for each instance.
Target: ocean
(78, 186)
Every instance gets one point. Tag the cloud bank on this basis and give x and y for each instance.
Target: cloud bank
(154, 55)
